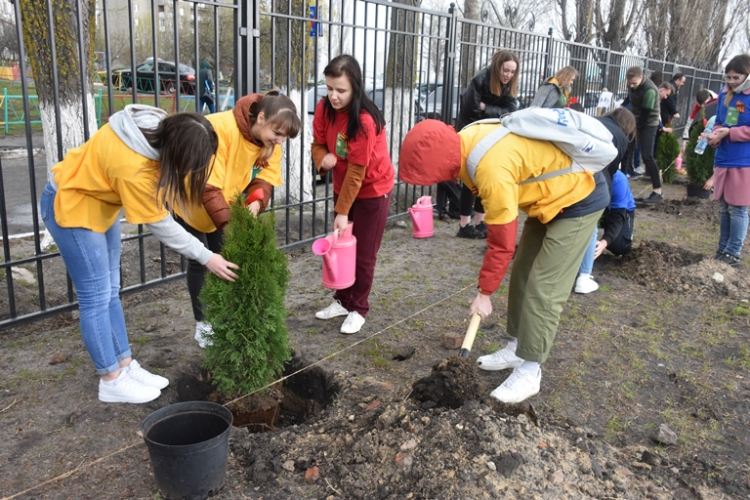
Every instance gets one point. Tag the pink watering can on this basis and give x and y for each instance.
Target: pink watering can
(678, 162)
(339, 253)
(421, 218)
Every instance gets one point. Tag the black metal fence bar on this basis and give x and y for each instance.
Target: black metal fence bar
(415, 64)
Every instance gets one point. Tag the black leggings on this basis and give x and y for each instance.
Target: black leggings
(469, 202)
(647, 138)
(196, 272)
(623, 242)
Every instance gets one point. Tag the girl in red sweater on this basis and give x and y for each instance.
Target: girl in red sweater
(349, 139)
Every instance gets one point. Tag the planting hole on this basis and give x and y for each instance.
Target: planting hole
(292, 402)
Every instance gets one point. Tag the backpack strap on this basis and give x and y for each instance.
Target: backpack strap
(488, 141)
(484, 145)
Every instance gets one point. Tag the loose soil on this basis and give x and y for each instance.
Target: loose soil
(392, 414)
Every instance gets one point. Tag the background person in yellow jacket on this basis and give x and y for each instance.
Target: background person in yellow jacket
(248, 158)
(141, 161)
(562, 213)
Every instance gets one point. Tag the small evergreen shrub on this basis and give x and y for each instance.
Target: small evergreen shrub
(699, 168)
(667, 151)
(250, 342)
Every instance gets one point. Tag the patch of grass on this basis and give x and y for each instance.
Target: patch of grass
(374, 352)
(489, 348)
(140, 340)
(741, 311)
(741, 359)
(605, 288)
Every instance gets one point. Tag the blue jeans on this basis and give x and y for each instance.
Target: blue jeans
(93, 262)
(733, 228)
(587, 264)
(211, 105)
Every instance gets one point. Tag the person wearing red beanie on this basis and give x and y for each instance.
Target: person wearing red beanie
(562, 213)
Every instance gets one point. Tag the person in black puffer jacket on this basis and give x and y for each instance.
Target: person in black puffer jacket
(491, 94)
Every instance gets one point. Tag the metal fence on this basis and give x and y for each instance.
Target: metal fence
(415, 64)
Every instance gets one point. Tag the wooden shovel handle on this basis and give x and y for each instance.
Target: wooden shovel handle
(476, 319)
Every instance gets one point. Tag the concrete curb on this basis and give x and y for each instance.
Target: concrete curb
(18, 153)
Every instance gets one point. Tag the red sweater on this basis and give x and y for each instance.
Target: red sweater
(368, 149)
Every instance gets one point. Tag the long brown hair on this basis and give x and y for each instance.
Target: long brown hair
(280, 113)
(348, 66)
(496, 84)
(186, 144)
(625, 120)
(739, 64)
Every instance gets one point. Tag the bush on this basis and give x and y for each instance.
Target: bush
(667, 151)
(699, 168)
(248, 317)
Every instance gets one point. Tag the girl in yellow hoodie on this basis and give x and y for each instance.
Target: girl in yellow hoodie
(248, 160)
(140, 162)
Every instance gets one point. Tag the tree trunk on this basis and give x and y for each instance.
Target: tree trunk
(37, 32)
(401, 67)
(291, 47)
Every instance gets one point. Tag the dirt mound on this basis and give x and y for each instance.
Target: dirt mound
(667, 267)
(692, 208)
(451, 382)
(398, 450)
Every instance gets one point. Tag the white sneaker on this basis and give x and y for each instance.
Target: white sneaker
(353, 323)
(139, 374)
(500, 360)
(521, 385)
(125, 389)
(640, 170)
(332, 311)
(203, 334)
(585, 284)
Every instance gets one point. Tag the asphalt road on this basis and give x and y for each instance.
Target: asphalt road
(16, 197)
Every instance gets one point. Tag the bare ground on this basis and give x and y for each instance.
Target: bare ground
(663, 341)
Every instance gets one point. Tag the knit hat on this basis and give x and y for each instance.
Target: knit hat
(430, 153)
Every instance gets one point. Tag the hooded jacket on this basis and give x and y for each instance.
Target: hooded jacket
(204, 73)
(237, 168)
(512, 160)
(118, 169)
(550, 95)
(477, 92)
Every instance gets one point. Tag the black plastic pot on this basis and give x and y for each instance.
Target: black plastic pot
(188, 445)
(698, 192)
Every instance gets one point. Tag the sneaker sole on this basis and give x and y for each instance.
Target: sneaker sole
(584, 292)
(494, 368)
(497, 398)
(331, 317)
(113, 399)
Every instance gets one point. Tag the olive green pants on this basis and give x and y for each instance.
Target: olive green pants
(544, 270)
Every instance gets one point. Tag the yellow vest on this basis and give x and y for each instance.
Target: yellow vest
(97, 179)
(233, 168)
(513, 160)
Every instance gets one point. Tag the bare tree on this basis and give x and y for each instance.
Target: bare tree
(65, 78)
(401, 67)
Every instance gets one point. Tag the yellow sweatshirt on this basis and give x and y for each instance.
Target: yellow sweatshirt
(97, 179)
(233, 168)
(498, 177)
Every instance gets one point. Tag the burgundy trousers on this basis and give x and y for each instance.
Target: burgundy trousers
(369, 216)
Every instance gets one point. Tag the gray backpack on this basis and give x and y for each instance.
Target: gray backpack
(584, 138)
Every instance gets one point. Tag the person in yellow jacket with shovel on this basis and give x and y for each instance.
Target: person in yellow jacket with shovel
(248, 159)
(562, 213)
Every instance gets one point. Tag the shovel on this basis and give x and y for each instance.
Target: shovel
(469, 337)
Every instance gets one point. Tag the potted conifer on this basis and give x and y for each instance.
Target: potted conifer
(667, 151)
(248, 317)
(699, 168)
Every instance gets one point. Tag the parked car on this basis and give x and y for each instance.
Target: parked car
(432, 105)
(146, 77)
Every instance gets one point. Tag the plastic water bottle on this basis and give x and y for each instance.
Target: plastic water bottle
(703, 141)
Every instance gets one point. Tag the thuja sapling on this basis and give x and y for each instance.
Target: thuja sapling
(248, 317)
